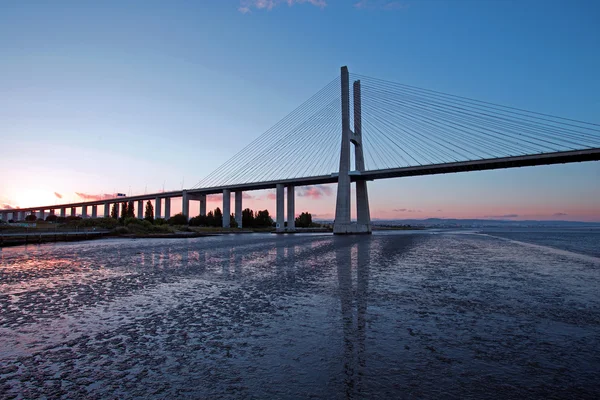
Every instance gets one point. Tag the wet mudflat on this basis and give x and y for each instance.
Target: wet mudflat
(393, 315)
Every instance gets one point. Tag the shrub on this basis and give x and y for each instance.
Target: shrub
(178, 219)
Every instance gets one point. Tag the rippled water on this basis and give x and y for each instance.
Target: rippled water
(393, 315)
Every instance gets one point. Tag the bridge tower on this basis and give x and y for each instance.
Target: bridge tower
(343, 223)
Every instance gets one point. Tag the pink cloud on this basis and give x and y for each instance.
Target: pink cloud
(314, 192)
(92, 197)
(6, 206)
(58, 195)
(246, 6)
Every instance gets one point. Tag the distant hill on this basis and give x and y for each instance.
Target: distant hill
(467, 223)
(484, 222)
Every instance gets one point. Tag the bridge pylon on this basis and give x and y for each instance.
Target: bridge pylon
(343, 223)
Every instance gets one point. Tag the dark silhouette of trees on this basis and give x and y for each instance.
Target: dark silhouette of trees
(31, 218)
(263, 219)
(218, 217)
(130, 210)
(114, 211)
(149, 214)
(232, 222)
(247, 218)
(178, 219)
(304, 220)
(51, 218)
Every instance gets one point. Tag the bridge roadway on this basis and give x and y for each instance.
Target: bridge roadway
(433, 169)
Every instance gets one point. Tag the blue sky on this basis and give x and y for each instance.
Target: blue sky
(128, 96)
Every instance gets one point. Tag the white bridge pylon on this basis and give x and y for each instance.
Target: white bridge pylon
(343, 223)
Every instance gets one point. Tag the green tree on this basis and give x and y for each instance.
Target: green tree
(247, 218)
(149, 214)
(31, 218)
(114, 211)
(51, 218)
(130, 210)
(218, 217)
(304, 220)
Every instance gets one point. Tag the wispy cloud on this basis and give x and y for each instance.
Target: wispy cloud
(559, 214)
(88, 196)
(314, 192)
(380, 5)
(58, 195)
(5, 206)
(410, 210)
(246, 6)
(503, 216)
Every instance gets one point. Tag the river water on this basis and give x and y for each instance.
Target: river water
(432, 314)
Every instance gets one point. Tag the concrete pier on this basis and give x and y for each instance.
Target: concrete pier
(157, 208)
(363, 214)
(203, 205)
(291, 212)
(63, 212)
(21, 215)
(106, 210)
(342, 206)
(343, 223)
(279, 210)
(185, 204)
(84, 212)
(167, 208)
(94, 211)
(140, 209)
(226, 208)
(238, 208)
(73, 211)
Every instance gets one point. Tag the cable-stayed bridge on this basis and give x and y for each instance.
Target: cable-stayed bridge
(395, 130)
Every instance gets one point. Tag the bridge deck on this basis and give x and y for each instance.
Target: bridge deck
(463, 166)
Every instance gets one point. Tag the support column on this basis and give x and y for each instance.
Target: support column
(73, 211)
(363, 215)
(94, 211)
(63, 212)
(4, 216)
(226, 207)
(106, 210)
(279, 211)
(41, 214)
(157, 206)
(203, 205)
(342, 207)
(185, 205)
(83, 211)
(21, 215)
(238, 208)
(140, 209)
(167, 208)
(291, 209)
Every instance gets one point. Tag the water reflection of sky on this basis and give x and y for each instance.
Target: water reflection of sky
(387, 315)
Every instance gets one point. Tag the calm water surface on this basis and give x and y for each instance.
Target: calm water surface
(393, 315)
